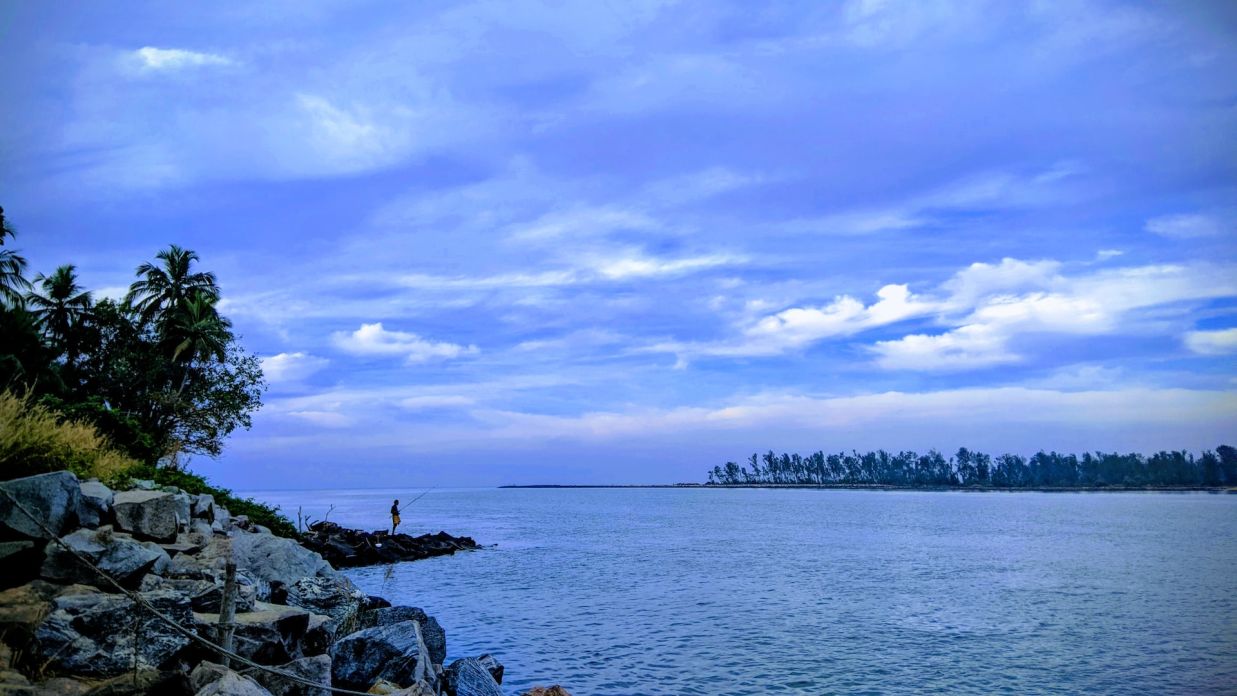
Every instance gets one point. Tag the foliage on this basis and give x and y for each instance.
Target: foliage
(35, 440)
(12, 269)
(259, 513)
(976, 469)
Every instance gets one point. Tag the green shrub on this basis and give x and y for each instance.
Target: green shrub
(36, 440)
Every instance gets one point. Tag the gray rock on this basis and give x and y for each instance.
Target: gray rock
(468, 677)
(54, 499)
(433, 634)
(154, 515)
(144, 485)
(201, 531)
(92, 634)
(96, 509)
(119, 555)
(316, 669)
(320, 635)
(202, 506)
(267, 559)
(210, 679)
(395, 653)
(269, 635)
(493, 666)
(335, 597)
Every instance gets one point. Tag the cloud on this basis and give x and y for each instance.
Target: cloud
(965, 348)
(1221, 342)
(326, 419)
(431, 402)
(152, 59)
(291, 367)
(636, 265)
(1186, 226)
(373, 339)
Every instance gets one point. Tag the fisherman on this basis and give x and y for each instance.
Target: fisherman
(394, 516)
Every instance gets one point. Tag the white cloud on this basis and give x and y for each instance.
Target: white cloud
(1185, 226)
(965, 348)
(844, 316)
(430, 402)
(1221, 342)
(639, 266)
(373, 339)
(1105, 254)
(291, 367)
(154, 59)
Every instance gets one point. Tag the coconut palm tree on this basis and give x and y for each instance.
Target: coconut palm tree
(196, 331)
(61, 309)
(161, 289)
(12, 269)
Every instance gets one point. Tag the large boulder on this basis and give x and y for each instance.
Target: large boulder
(202, 506)
(267, 559)
(335, 597)
(269, 635)
(210, 679)
(96, 509)
(154, 515)
(469, 677)
(53, 499)
(431, 632)
(95, 634)
(119, 555)
(395, 653)
(316, 669)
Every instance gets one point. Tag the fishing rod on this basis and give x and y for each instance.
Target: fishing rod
(410, 502)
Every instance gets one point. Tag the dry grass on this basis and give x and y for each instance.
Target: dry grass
(36, 440)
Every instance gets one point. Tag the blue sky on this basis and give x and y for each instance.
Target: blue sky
(520, 242)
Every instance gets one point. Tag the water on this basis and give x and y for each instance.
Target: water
(656, 591)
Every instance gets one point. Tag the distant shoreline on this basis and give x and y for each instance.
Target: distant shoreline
(878, 487)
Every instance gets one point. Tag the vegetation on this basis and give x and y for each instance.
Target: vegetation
(975, 469)
(127, 389)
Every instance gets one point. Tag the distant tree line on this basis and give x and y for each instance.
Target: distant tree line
(967, 468)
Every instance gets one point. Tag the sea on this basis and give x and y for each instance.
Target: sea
(642, 591)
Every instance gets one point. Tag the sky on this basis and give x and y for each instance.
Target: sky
(513, 242)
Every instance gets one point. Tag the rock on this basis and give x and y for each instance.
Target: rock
(21, 561)
(144, 485)
(468, 677)
(493, 666)
(386, 688)
(54, 499)
(119, 555)
(22, 609)
(154, 515)
(210, 679)
(335, 597)
(431, 632)
(92, 633)
(320, 635)
(555, 690)
(96, 509)
(374, 602)
(344, 547)
(202, 507)
(395, 653)
(64, 686)
(316, 669)
(269, 635)
(267, 559)
(200, 531)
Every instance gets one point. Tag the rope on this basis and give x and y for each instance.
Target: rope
(190, 634)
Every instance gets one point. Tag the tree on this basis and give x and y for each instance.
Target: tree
(12, 268)
(164, 288)
(197, 331)
(61, 309)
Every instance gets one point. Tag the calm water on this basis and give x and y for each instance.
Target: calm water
(653, 591)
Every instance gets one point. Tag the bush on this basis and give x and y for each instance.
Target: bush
(36, 440)
(258, 513)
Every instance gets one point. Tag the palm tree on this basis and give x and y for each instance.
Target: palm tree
(60, 310)
(162, 289)
(197, 331)
(12, 269)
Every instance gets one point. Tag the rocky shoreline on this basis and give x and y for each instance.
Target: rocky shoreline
(64, 629)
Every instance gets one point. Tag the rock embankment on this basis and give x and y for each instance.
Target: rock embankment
(350, 548)
(64, 629)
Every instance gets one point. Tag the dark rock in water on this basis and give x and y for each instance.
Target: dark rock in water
(154, 515)
(374, 602)
(493, 666)
(395, 653)
(468, 677)
(431, 632)
(315, 669)
(555, 690)
(92, 633)
(346, 548)
(121, 556)
(55, 500)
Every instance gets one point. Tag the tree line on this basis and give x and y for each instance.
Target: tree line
(159, 372)
(968, 468)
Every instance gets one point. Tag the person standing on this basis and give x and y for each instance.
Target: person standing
(394, 516)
